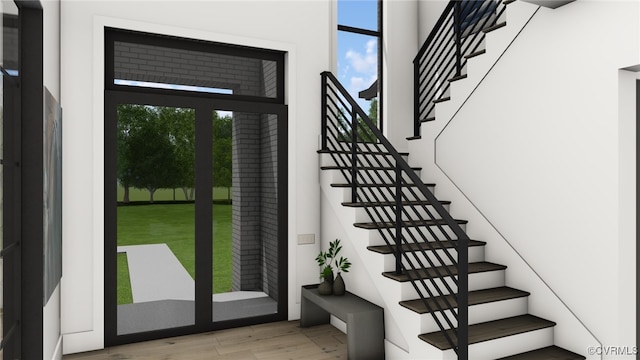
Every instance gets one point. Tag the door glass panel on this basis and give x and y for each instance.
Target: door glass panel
(155, 218)
(245, 215)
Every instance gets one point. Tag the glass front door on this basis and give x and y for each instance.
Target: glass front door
(155, 217)
(194, 215)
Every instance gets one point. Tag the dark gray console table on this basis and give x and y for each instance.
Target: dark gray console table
(365, 320)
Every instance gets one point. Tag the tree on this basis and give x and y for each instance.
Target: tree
(152, 148)
(180, 124)
(129, 116)
(153, 162)
(222, 152)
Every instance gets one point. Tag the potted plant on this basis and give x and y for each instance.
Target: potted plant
(327, 260)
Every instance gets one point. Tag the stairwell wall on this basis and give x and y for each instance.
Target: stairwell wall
(543, 149)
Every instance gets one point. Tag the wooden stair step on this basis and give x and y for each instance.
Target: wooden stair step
(459, 77)
(414, 223)
(507, 2)
(547, 353)
(475, 298)
(416, 137)
(382, 153)
(442, 99)
(433, 272)
(494, 27)
(491, 330)
(391, 249)
(379, 185)
(374, 168)
(392, 203)
(474, 54)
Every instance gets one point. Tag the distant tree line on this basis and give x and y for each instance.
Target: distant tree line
(156, 149)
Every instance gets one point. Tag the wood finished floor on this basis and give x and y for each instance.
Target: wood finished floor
(274, 341)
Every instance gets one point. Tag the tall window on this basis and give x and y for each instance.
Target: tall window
(359, 53)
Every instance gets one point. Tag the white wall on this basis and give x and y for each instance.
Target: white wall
(302, 29)
(544, 149)
(52, 339)
(429, 12)
(400, 45)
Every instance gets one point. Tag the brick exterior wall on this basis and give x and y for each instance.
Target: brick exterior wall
(255, 203)
(242, 75)
(269, 203)
(10, 48)
(247, 249)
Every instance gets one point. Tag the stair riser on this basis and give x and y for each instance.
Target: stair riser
(476, 253)
(415, 234)
(383, 194)
(507, 346)
(387, 213)
(477, 281)
(363, 160)
(479, 313)
(368, 176)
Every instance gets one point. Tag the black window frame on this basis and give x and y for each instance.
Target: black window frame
(379, 34)
(137, 37)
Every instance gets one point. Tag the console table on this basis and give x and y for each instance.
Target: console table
(365, 320)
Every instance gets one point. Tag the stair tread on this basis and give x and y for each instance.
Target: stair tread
(390, 249)
(479, 52)
(442, 99)
(459, 77)
(333, 167)
(507, 2)
(380, 185)
(494, 27)
(475, 298)
(414, 223)
(432, 118)
(491, 330)
(392, 203)
(547, 353)
(475, 267)
(416, 137)
(360, 152)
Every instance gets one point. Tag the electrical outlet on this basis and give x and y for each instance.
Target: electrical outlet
(306, 239)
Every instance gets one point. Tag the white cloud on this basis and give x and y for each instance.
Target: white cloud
(364, 63)
(371, 46)
(357, 84)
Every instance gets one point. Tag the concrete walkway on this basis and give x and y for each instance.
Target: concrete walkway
(157, 274)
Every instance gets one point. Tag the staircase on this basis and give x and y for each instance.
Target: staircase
(450, 301)
(500, 326)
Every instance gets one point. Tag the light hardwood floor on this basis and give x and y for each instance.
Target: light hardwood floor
(274, 341)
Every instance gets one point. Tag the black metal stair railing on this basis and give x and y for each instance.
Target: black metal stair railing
(457, 34)
(404, 211)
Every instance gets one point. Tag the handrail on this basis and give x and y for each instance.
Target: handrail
(458, 33)
(350, 137)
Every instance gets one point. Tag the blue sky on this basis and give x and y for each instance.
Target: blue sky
(357, 55)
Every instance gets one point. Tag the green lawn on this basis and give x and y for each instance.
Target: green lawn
(174, 225)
